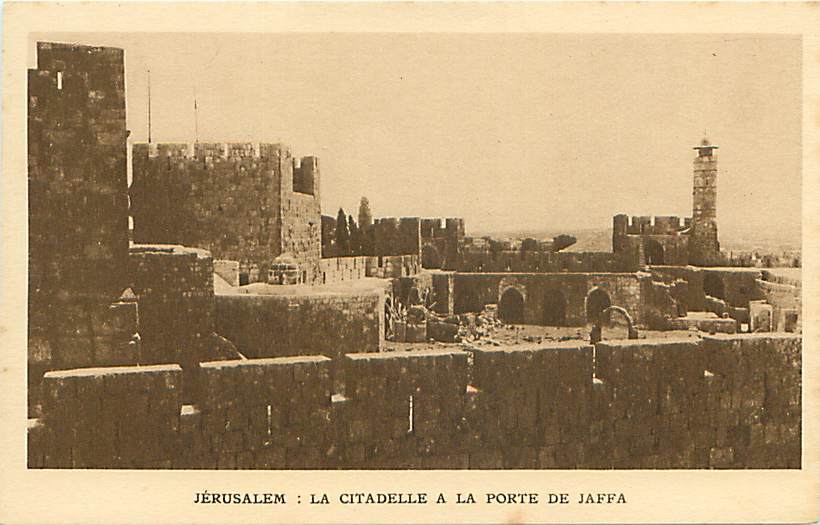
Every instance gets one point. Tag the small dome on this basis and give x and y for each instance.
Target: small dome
(285, 261)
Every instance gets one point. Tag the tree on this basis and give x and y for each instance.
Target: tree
(342, 234)
(529, 245)
(562, 241)
(365, 217)
(355, 236)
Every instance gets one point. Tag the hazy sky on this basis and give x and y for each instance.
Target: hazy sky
(506, 130)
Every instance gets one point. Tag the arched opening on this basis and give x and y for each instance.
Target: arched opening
(430, 257)
(554, 312)
(713, 286)
(597, 301)
(511, 307)
(653, 251)
(616, 323)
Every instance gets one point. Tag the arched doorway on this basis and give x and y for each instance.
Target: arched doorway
(430, 257)
(554, 311)
(713, 285)
(653, 251)
(511, 306)
(616, 323)
(597, 301)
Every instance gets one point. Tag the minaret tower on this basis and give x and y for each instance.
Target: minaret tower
(704, 248)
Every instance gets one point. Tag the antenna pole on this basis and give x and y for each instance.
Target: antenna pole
(196, 119)
(149, 106)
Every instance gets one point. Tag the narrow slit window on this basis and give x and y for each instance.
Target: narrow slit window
(59, 80)
(270, 421)
(410, 426)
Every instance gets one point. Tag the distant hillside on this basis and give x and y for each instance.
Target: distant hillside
(600, 239)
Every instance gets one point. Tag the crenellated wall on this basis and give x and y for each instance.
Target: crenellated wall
(441, 243)
(242, 201)
(396, 236)
(725, 401)
(661, 240)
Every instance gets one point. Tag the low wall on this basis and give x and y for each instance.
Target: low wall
(737, 285)
(260, 413)
(311, 324)
(115, 417)
(483, 259)
(693, 276)
(784, 295)
(341, 269)
(175, 289)
(388, 266)
(726, 401)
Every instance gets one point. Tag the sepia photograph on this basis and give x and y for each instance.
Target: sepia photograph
(393, 269)
(467, 251)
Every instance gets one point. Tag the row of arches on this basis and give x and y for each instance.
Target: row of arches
(553, 306)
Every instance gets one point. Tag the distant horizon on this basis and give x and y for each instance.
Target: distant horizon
(507, 131)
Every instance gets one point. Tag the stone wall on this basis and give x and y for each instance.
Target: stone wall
(330, 324)
(532, 406)
(175, 289)
(443, 292)
(78, 203)
(260, 413)
(738, 286)
(546, 292)
(118, 417)
(396, 236)
(726, 401)
(695, 296)
(663, 239)
(483, 259)
(754, 399)
(392, 266)
(785, 298)
(78, 212)
(340, 269)
(237, 200)
(441, 244)
(403, 410)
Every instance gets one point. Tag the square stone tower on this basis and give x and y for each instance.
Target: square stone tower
(704, 248)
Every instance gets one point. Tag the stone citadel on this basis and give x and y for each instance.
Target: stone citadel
(222, 334)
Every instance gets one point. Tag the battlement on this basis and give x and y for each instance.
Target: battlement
(397, 236)
(684, 403)
(215, 151)
(57, 56)
(435, 228)
(649, 225)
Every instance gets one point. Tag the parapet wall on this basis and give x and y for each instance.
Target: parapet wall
(649, 225)
(720, 402)
(393, 266)
(286, 325)
(485, 260)
(341, 269)
(118, 417)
